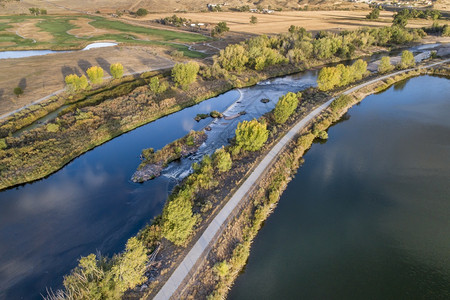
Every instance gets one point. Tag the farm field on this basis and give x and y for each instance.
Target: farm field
(279, 22)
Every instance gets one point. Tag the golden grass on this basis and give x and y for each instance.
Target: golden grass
(279, 22)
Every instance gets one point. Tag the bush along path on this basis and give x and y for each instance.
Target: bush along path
(211, 234)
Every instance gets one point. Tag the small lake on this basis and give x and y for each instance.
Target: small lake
(367, 215)
(29, 53)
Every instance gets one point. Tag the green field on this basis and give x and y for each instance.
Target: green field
(58, 27)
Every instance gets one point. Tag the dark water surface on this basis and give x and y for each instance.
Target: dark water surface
(368, 214)
(92, 205)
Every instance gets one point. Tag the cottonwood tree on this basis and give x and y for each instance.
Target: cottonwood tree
(385, 65)
(116, 70)
(407, 60)
(95, 74)
(178, 220)
(222, 160)
(185, 74)
(251, 135)
(233, 58)
(285, 107)
(76, 83)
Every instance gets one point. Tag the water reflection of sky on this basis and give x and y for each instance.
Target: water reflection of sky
(367, 215)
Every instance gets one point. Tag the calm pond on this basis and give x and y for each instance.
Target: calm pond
(367, 215)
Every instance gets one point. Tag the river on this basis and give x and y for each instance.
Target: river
(91, 204)
(367, 214)
(30, 53)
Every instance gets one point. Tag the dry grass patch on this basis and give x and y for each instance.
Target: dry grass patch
(279, 22)
(7, 44)
(84, 29)
(28, 29)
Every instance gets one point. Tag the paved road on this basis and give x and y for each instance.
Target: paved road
(210, 235)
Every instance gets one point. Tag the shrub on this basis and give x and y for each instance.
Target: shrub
(385, 65)
(52, 127)
(116, 70)
(251, 135)
(222, 160)
(18, 91)
(156, 86)
(185, 74)
(95, 74)
(407, 60)
(285, 107)
(253, 20)
(141, 12)
(176, 53)
(3, 144)
(222, 269)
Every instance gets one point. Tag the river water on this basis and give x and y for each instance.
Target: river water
(29, 53)
(367, 215)
(91, 204)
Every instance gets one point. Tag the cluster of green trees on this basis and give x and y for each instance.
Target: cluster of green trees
(286, 106)
(77, 83)
(407, 61)
(174, 20)
(256, 53)
(185, 74)
(220, 28)
(401, 18)
(35, 11)
(178, 220)
(97, 277)
(330, 77)
(299, 47)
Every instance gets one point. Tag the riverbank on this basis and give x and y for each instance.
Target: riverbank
(233, 246)
(101, 117)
